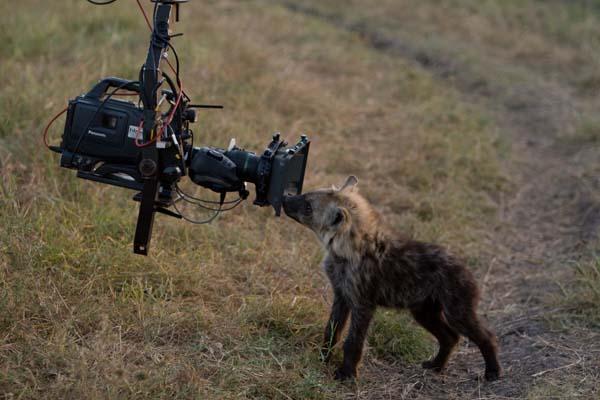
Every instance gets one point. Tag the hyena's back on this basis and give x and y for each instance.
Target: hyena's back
(442, 295)
(413, 272)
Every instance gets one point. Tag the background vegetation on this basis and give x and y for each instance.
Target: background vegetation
(469, 123)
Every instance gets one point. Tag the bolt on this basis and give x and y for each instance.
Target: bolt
(147, 167)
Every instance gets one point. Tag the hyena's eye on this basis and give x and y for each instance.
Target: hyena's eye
(339, 216)
(307, 209)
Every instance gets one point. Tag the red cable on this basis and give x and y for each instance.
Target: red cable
(169, 119)
(50, 124)
(144, 13)
(174, 108)
(137, 133)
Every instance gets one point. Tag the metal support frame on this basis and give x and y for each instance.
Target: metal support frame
(150, 75)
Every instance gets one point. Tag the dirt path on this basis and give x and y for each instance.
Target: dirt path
(542, 228)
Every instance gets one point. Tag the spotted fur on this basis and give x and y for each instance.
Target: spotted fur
(370, 267)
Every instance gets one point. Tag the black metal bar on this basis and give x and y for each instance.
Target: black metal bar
(149, 165)
(205, 106)
(111, 181)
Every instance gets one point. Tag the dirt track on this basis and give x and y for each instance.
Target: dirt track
(543, 227)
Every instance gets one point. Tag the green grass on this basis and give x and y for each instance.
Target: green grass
(588, 275)
(581, 295)
(394, 338)
(235, 309)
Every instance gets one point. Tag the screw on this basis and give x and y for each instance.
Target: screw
(147, 167)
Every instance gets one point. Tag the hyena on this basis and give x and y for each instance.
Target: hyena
(369, 267)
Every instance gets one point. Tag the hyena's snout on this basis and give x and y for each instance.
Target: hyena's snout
(292, 205)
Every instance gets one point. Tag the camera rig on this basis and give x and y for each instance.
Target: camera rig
(139, 147)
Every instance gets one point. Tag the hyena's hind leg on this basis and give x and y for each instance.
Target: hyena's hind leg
(429, 315)
(466, 322)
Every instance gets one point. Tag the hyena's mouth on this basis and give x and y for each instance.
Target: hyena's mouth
(293, 215)
(290, 207)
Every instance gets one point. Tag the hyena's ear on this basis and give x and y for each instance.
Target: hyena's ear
(350, 183)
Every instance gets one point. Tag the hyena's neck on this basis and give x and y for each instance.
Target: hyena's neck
(354, 244)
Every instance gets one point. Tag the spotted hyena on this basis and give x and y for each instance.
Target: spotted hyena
(369, 267)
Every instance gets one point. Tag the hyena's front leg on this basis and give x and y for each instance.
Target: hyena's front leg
(353, 346)
(335, 325)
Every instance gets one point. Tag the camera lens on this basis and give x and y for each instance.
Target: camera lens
(246, 164)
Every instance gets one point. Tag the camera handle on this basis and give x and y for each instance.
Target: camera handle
(102, 87)
(148, 166)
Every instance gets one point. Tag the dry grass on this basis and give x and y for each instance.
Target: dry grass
(580, 297)
(234, 309)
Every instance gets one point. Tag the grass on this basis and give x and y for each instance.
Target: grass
(580, 301)
(394, 338)
(588, 277)
(235, 309)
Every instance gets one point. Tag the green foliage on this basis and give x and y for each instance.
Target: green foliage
(395, 338)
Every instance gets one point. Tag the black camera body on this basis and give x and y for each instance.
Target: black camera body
(136, 146)
(111, 129)
(100, 136)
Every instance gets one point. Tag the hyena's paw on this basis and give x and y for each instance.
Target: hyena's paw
(342, 374)
(433, 365)
(492, 375)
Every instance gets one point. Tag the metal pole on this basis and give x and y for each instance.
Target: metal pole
(150, 163)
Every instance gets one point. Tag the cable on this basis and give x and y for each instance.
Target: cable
(237, 202)
(151, 29)
(166, 124)
(209, 220)
(206, 221)
(183, 194)
(144, 14)
(137, 133)
(172, 86)
(179, 147)
(175, 71)
(44, 135)
(101, 3)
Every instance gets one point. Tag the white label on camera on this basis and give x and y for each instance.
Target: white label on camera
(133, 131)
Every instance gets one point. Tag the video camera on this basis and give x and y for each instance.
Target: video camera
(137, 146)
